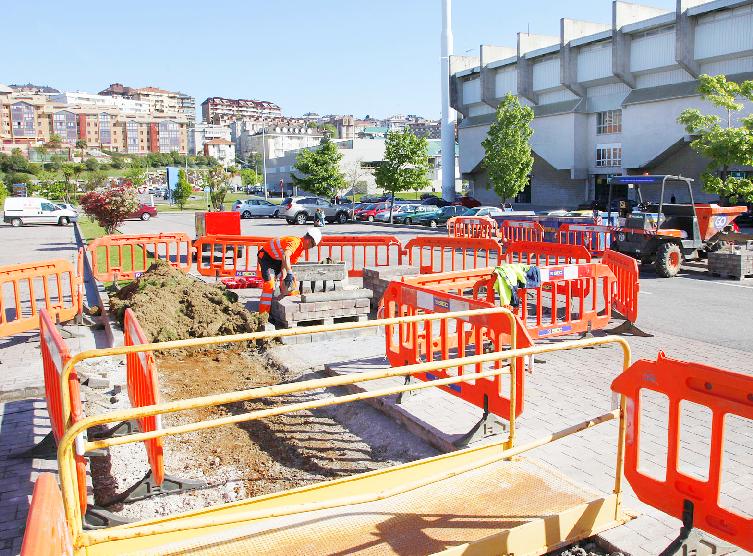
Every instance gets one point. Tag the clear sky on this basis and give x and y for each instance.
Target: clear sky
(377, 57)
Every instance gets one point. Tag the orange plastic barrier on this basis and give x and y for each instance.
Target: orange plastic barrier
(47, 531)
(125, 257)
(593, 237)
(435, 253)
(521, 230)
(358, 251)
(472, 226)
(228, 255)
(51, 284)
(55, 355)
(237, 255)
(723, 393)
(450, 338)
(541, 253)
(143, 390)
(625, 269)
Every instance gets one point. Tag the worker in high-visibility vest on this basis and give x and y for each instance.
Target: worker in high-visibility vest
(276, 260)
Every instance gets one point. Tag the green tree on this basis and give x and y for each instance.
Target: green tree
(250, 177)
(406, 164)
(216, 180)
(329, 130)
(81, 146)
(55, 141)
(91, 164)
(725, 142)
(3, 191)
(136, 175)
(508, 157)
(320, 169)
(182, 190)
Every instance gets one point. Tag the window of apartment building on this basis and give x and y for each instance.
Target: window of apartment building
(64, 125)
(132, 137)
(169, 136)
(609, 122)
(609, 155)
(22, 119)
(105, 133)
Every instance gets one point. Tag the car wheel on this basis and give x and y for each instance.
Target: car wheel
(146, 216)
(245, 214)
(63, 221)
(342, 218)
(407, 221)
(371, 218)
(668, 259)
(16, 222)
(301, 218)
(433, 224)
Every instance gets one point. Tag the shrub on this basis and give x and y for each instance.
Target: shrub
(111, 207)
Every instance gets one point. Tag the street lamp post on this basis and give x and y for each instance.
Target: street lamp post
(448, 114)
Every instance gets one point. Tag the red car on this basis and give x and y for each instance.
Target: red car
(144, 212)
(371, 212)
(468, 202)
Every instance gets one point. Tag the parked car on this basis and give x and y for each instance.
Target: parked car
(408, 216)
(468, 202)
(35, 210)
(67, 206)
(144, 212)
(435, 201)
(370, 213)
(441, 216)
(299, 210)
(384, 216)
(486, 211)
(374, 198)
(361, 208)
(254, 208)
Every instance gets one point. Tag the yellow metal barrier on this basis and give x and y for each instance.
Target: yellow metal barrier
(201, 519)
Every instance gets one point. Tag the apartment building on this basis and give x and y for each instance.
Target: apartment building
(28, 120)
(160, 101)
(201, 133)
(222, 150)
(606, 96)
(277, 138)
(221, 111)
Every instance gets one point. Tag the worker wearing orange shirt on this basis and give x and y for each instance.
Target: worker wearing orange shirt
(276, 260)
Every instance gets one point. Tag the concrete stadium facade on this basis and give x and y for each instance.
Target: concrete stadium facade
(606, 97)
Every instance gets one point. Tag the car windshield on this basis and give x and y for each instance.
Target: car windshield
(368, 207)
(449, 210)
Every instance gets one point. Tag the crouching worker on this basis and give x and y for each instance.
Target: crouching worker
(276, 260)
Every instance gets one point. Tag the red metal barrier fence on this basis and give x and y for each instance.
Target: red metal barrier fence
(450, 338)
(472, 227)
(435, 253)
(53, 285)
(55, 355)
(627, 287)
(541, 253)
(725, 395)
(520, 230)
(594, 238)
(143, 390)
(226, 255)
(125, 257)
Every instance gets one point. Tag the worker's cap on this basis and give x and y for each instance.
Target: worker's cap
(314, 234)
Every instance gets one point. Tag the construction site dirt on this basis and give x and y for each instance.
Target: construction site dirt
(254, 458)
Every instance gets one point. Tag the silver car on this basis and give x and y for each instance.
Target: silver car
(396, 212)
(299, 210)
(253, 208)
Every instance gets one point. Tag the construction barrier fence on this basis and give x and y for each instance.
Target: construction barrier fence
(27, 287)
(450, 338)
(55, 356)
(541, 253)
(435, 253)
(143, 390)
(358, 252)
(520, 230)
(724, 397)
(47, 532)
(228, 255)
(595, 238)
(472, 227)
(627, 285)
(125, 257)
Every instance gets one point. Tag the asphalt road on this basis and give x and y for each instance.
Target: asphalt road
(693, 305)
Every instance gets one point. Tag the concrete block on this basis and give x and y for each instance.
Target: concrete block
(99, 382)
(359, 293)
(315, 271)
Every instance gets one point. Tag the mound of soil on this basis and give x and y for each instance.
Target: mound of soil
(172, 305)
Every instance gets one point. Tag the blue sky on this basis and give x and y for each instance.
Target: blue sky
(377, 57)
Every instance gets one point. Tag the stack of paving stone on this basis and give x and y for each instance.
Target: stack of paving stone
(378, 278)
(732, 264)
(326, 298)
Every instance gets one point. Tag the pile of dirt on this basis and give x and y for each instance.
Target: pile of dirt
(172, 305)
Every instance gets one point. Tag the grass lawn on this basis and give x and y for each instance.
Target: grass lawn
(200, 203)
(90, 230)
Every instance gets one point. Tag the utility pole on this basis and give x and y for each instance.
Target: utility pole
(448, 114)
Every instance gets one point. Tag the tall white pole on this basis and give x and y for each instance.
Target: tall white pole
(264, 155)
(448, 114)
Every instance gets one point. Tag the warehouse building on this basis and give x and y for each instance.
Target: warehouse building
(606, 97)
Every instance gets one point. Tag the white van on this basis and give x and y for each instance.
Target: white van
(35, 210)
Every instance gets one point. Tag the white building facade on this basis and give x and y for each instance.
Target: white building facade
(201, 133)
(606, 97)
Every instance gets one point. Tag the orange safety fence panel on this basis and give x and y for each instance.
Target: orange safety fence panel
(436, 253)
(228, 255)
(55, 355)
(25, 287)
(125, 257)
(459, 282)
(541, 253)
(450, 338)
(720, 393)
(472, 226)
(625, 269)
(521, 230)
(143, 390)
(47, 531)
(358, 252)
(571, 299)
(595, 238)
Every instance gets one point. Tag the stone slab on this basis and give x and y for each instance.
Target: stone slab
(359, 293)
